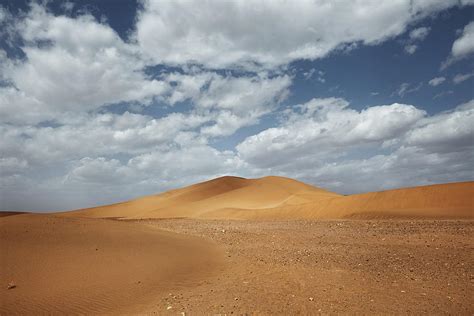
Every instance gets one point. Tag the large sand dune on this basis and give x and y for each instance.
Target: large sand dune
(90, 266)
(284, 198)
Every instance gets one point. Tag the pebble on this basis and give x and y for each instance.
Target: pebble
(311, 299)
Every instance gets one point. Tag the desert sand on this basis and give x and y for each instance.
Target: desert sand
(246, 246)
(66, 265)
(375, 267)
(273, 198)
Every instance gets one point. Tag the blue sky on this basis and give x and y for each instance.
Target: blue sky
(102, 101)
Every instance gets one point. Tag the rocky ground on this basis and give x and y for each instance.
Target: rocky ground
(344, 266)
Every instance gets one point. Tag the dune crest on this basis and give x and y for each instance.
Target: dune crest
(284, 198)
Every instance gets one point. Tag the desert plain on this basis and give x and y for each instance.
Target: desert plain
(238, 246)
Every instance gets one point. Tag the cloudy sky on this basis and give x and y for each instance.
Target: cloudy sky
(103, 101)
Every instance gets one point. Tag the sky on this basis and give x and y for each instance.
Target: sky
(104, 101)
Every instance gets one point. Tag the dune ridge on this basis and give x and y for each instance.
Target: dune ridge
(284, 198)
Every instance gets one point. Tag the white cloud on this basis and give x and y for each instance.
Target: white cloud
(191, 161)
(447, 131)
(99, 135)
(241, 33)
(419, 34)
(333, 146)
(231, 102)
(406, 88)
(102, 158)
(436, 81)
(462, 47)
(99, 171)
(226, 105)
(150, 173)
(462, 77)
(411, 49)
(414, 37)
(324, 126)
(12, 165)
(244, 94)
(82, 65)
(71, 65)
(405, 166)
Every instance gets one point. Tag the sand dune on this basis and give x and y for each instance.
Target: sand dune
(84, 266)
(284, 198)
(77, 262)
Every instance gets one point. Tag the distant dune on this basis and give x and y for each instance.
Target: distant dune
(283, 198)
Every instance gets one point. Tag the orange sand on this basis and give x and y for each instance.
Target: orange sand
(91, 266)
(284, 198)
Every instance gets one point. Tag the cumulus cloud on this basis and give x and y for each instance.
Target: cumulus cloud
(447, 131)
(462, 46)
(241, 101)
(71, 65)
(76, 65)
(322, 127)
(395, 144)
(231, 102)
(65, 142)
(436, 81)
(164, 167)
(98, 135)
(272, 33)
(102, 158)
(99, 171)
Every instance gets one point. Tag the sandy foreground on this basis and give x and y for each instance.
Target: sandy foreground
(196, 266)
(89, 266)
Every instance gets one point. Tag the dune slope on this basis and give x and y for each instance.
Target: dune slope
(284, 198)
(442, 201)
(89, 266)
(211, 196)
